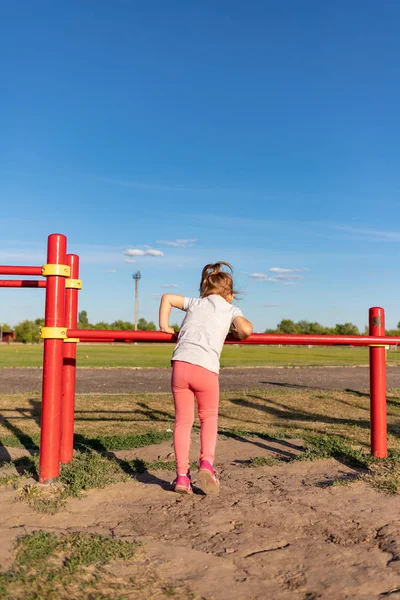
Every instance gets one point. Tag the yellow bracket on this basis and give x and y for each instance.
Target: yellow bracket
(72, 341)
(73, 284)
(62, 270)
(53, 333)
(378, 346)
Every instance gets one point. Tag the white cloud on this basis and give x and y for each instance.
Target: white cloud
(182, 243)
(262, 277)
(111, 271)
(139, 252)
(290, 282)
(130, 260)
(134, 252)
(279, 270)
(169, 285)
(279, 278)
(156, 296)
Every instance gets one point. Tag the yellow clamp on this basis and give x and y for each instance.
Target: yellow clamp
(73, 284)
(53, 333)
(378, 346)
(72, 340)
(62, 270)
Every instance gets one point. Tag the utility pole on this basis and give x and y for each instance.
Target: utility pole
(136, 276)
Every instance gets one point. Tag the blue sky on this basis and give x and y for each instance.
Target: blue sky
(261, 133)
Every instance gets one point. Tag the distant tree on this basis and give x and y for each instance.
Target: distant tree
(123, 325)
(317, 328)
(313, 327)
(303, 326)
(5, 327)
(287, 326)
(102, 325)
(144, 325)
(83, 320)
(27, 332)
(392, 332)
(346, 329)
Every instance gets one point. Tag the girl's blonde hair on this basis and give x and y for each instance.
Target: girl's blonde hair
(216, 281)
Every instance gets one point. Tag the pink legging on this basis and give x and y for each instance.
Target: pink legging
(190, 381)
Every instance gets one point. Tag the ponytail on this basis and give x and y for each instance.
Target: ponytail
(216, 281)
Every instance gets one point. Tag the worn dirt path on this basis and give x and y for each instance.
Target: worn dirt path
(122, 380)
(274, 532)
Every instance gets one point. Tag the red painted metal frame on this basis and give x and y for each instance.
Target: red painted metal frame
(377, 373)
(10, 270)
(49, 464)
(256, 338)
(59, 358)
(22, 283)
(69, 368)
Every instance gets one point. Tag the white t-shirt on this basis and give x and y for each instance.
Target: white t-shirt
(204, 329)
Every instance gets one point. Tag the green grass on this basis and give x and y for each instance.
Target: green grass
(85, 472)
(83, 566)
(48, 567)
(331, 423)
(109, 422)
(149, 355)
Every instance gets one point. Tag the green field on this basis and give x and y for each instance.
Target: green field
(151, 355)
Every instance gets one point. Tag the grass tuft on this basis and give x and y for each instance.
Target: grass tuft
(85, 472)
(330, 446)
(85, 549)
(110, 443)
(262, 461)
(48, 567)
(82, 566)
(36, 547)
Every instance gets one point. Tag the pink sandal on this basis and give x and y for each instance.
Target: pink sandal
(206, 479)
(182, 484)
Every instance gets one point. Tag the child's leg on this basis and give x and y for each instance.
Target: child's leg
(184, 415)
(206, 386)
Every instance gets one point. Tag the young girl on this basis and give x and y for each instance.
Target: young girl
(195, 368)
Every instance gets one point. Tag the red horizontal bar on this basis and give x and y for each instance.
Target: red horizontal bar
(12, 270)
(256, 338)
(22, 283)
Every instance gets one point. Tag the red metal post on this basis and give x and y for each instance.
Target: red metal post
(107, 335)
(52, 364)
(7, 270)
(377, 366)
(69, 367)
(22, 283)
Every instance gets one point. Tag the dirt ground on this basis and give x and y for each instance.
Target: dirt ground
(280, 532)
(122, 380)
(275, 532)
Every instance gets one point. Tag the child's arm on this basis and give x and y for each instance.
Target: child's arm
(242, 328)
(169, 301)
